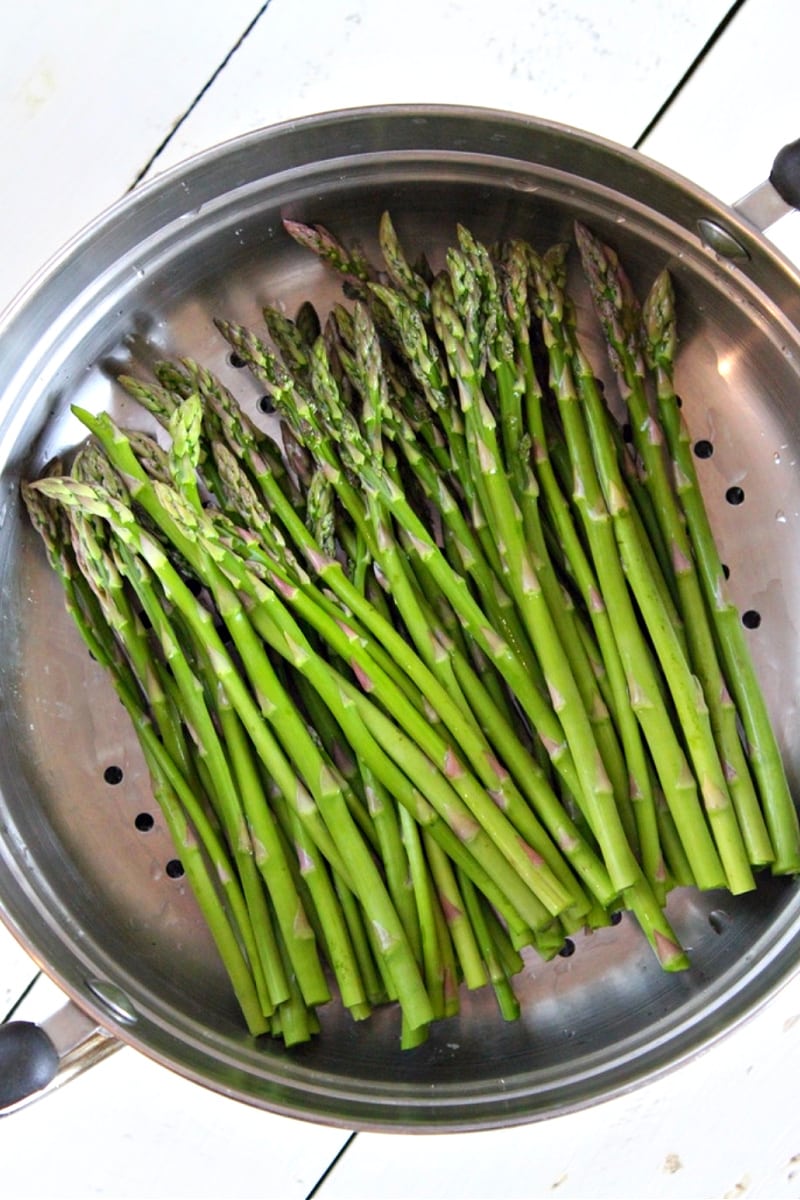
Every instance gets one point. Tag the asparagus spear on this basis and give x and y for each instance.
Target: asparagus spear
(379, 483)
(184, 817)
(418, 442)
(462, 344)
(684, 686)
(371, 891)
(574, 390)
(620, 316)
(764, 754)
(518, 258)
(530, 868)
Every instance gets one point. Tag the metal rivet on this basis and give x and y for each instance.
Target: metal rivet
(720, 240)
(114, 999)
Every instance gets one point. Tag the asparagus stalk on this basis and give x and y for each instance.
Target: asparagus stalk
(574, 392)
(620, 316)
(518, 258)
(462, 346)
(118, 447)
(683, 684)
(183, 816)
(420, 529)
(370, 887)
(388, 490)
(764, 754)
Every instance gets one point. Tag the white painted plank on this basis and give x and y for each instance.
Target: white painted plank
(130, 1130)
(17, 971)
(79, 117)
(88, 91)
(726, 126)
(723, 1126)
(606, 68)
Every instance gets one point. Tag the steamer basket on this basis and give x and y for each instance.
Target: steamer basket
(89, 893)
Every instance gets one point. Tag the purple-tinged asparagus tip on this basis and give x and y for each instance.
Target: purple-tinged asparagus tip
(450, 911)
(286, 589)
(731, 774)
(304, 859)
(497, 767)
(552, 747)
(680, 563)
(318, 561)
(342, 759)
(452, 767)
(596, 602)
(365, 682)
(534, 857)
(498, 798)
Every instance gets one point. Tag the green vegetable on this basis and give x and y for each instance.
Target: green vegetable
(446, 676)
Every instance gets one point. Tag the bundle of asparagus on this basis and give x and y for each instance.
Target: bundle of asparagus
(451, 671)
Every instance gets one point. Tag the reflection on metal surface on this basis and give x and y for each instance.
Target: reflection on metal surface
(726, 364)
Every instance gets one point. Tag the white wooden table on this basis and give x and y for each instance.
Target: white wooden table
(96, 95)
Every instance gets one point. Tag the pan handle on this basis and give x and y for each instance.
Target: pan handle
(36, 1059)
(785, 174)
(778, 194)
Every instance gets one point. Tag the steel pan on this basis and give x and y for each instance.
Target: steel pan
(86, 882)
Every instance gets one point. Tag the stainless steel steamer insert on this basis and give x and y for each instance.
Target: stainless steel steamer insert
(87, 891)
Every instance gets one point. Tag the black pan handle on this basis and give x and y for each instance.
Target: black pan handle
(34, 1059)
(785, 174)
(28, 1061)
(765, 204)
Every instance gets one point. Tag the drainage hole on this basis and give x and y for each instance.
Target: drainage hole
(144, 821)
(113, 775)
(616, 917)
(266, 405)
(568, 949)
(726, 571)
(735, 495)
(236, 360)
(704, 448)
(751, 619)
(174, 868)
